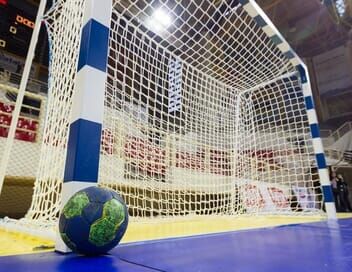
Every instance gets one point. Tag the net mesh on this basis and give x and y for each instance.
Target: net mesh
(24, 158)
(202, 116)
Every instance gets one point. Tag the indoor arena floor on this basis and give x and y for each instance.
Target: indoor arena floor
(280, 244)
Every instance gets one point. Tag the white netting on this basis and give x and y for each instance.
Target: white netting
(63, 24)
(203, 116)
(25, 153)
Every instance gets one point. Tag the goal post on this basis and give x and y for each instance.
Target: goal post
(174, 94)
(85, 129)
(199, 109)
(268, 27)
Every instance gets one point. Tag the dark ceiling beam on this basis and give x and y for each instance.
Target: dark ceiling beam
(320, 44)
(306, 24)
(33, 2)
(269, 4)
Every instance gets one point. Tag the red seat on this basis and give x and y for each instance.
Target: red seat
(8, 108)
(20, 122)
(3, 131)
(2, 118)
(6, 120)
(32, 125)
(31, 136)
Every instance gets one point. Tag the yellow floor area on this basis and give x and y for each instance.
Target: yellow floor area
(12, 243)
(187, 227)
(16, 243)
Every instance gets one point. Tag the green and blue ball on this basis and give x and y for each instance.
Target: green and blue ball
(93, 221)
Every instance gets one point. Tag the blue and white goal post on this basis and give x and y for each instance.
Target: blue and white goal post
(83, 148)
(262, 20)
(83, 152)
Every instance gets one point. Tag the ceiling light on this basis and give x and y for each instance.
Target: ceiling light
(159, 20)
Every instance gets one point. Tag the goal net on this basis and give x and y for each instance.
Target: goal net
(204, 114)
(24, 158)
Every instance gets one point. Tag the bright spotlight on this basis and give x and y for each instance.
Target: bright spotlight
(159, 20)
(340, 7)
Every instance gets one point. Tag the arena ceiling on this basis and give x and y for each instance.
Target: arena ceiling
(306, 24)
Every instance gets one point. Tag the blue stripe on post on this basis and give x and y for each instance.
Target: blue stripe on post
(244, 2)
(302, 73)
(260, 21)
(327, 193)
(315, 131)
(276, 39)
(83, 150)
(309, 102)
(94, 46)
(289, 54)
(321, 160)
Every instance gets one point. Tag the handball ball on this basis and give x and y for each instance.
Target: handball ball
(93, 221)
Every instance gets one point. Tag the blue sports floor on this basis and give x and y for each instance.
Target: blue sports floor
(322, 246)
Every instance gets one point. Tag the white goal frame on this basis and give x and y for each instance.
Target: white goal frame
(90, 82)
(86, 99)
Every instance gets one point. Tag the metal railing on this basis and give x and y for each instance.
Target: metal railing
(14, 79)
(32, 109)
(341, 131)
(330, 137)
(325, 133)
(339, 156)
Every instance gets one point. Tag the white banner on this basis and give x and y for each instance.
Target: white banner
(305, 198)
(265, 197)
(15, 64)
(175, 85)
